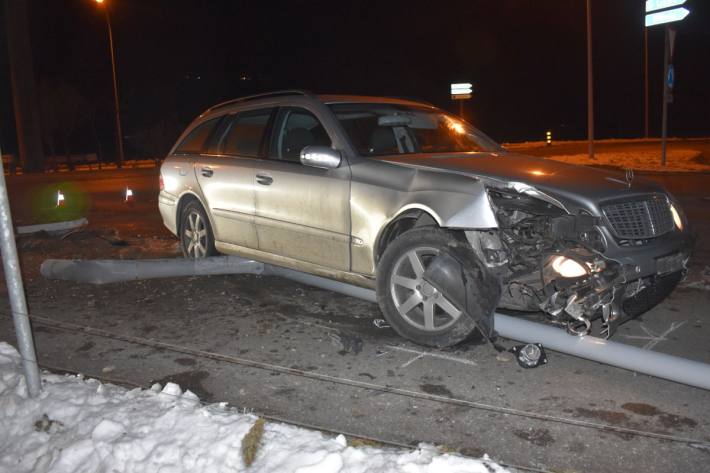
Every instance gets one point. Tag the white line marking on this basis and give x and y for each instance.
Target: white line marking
(654, 339)
(422, 354)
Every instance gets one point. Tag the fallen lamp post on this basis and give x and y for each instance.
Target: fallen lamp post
(681, 370)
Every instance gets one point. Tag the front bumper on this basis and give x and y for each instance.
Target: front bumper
(643, 260)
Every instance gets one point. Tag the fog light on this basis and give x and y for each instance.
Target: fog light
(530, 355)
(568, 268)
(60, 199)
(676, 218)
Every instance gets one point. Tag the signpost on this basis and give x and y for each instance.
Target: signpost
(461, 91)
(662, 12)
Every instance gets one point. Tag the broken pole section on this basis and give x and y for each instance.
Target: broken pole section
(16, 292)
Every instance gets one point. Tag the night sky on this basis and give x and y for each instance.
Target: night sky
(526, 59)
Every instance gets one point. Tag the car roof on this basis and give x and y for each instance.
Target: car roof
(332, 99)
(326, 99)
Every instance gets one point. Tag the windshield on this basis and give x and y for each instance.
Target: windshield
(377, 129)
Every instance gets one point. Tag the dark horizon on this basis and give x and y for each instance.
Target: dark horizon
(526, 59)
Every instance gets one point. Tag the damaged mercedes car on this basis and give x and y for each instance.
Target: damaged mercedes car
(404, 198)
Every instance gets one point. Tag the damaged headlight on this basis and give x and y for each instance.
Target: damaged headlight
(567, 267)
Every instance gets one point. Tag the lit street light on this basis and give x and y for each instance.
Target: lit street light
(119, 134)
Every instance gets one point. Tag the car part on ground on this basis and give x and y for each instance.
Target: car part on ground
(661, 365)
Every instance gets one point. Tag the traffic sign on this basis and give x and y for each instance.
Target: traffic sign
(653, 5)
(666, 16)
(461, 91)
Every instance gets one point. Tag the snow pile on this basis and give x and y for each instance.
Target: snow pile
(79, 425)
(683, 160)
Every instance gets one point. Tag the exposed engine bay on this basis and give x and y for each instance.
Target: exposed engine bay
(550, 260)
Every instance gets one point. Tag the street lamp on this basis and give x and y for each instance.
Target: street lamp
(119, 134)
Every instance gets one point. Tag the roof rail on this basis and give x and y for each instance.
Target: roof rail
(276, 93)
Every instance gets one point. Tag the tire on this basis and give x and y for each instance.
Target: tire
(196, 237)
(413, 308)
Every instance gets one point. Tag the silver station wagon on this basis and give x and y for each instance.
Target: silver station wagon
(407, 199)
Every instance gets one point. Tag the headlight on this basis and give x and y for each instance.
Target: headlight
(568, 268)
(676, 218)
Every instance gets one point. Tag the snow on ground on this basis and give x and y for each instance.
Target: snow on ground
(79, 425)
(677, 160)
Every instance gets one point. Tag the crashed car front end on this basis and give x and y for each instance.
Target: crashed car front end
(609, 260)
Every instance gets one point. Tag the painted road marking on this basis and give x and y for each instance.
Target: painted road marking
(422, 354)
(654, 339)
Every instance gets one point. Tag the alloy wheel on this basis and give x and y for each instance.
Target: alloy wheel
(419, 303)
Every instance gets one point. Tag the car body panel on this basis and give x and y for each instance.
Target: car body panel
(382, 191)
(303, 212)
(227, 184)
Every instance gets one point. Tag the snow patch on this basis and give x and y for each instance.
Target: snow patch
(677, 160)
(86, 426)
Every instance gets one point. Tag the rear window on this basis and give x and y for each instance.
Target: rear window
(246, 132)
(194, 142)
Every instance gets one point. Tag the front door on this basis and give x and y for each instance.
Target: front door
(302, 212)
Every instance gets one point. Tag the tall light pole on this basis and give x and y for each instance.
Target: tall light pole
(119, 133)
(590, 83)
(645, 82)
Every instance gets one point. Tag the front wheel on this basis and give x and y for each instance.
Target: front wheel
(413, 307)
(196, 238)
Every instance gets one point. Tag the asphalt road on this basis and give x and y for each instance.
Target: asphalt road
(309, 356)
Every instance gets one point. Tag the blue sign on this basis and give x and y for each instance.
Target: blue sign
(671, 76)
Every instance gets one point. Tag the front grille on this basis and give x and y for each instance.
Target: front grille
(638, 219)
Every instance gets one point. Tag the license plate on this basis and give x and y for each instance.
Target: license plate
(670, 263)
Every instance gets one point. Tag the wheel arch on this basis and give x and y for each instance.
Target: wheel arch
(184, 199)
(409, 217)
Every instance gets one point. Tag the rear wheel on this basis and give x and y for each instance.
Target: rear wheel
(196, 238)
(413, 307)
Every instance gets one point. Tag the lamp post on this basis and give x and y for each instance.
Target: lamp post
(119, 133)
(590, 83)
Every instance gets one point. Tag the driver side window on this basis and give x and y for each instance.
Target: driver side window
(295, 129)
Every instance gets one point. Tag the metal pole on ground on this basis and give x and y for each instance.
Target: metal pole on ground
(16, 292)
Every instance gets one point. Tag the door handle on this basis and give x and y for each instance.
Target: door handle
(264, 179)
(207, 172)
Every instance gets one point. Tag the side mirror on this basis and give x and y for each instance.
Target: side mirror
(320, 157)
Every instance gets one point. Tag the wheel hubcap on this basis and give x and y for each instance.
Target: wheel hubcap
(195, 235)
(419, 303)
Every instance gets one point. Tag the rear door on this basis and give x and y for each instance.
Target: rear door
(302, 212)
(225, 172)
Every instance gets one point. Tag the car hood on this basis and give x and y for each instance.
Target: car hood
(570, 183)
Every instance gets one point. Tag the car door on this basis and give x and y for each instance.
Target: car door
(226, 171)
(302, 212)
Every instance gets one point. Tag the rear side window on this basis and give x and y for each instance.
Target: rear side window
(246, 132)
(194, 142)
